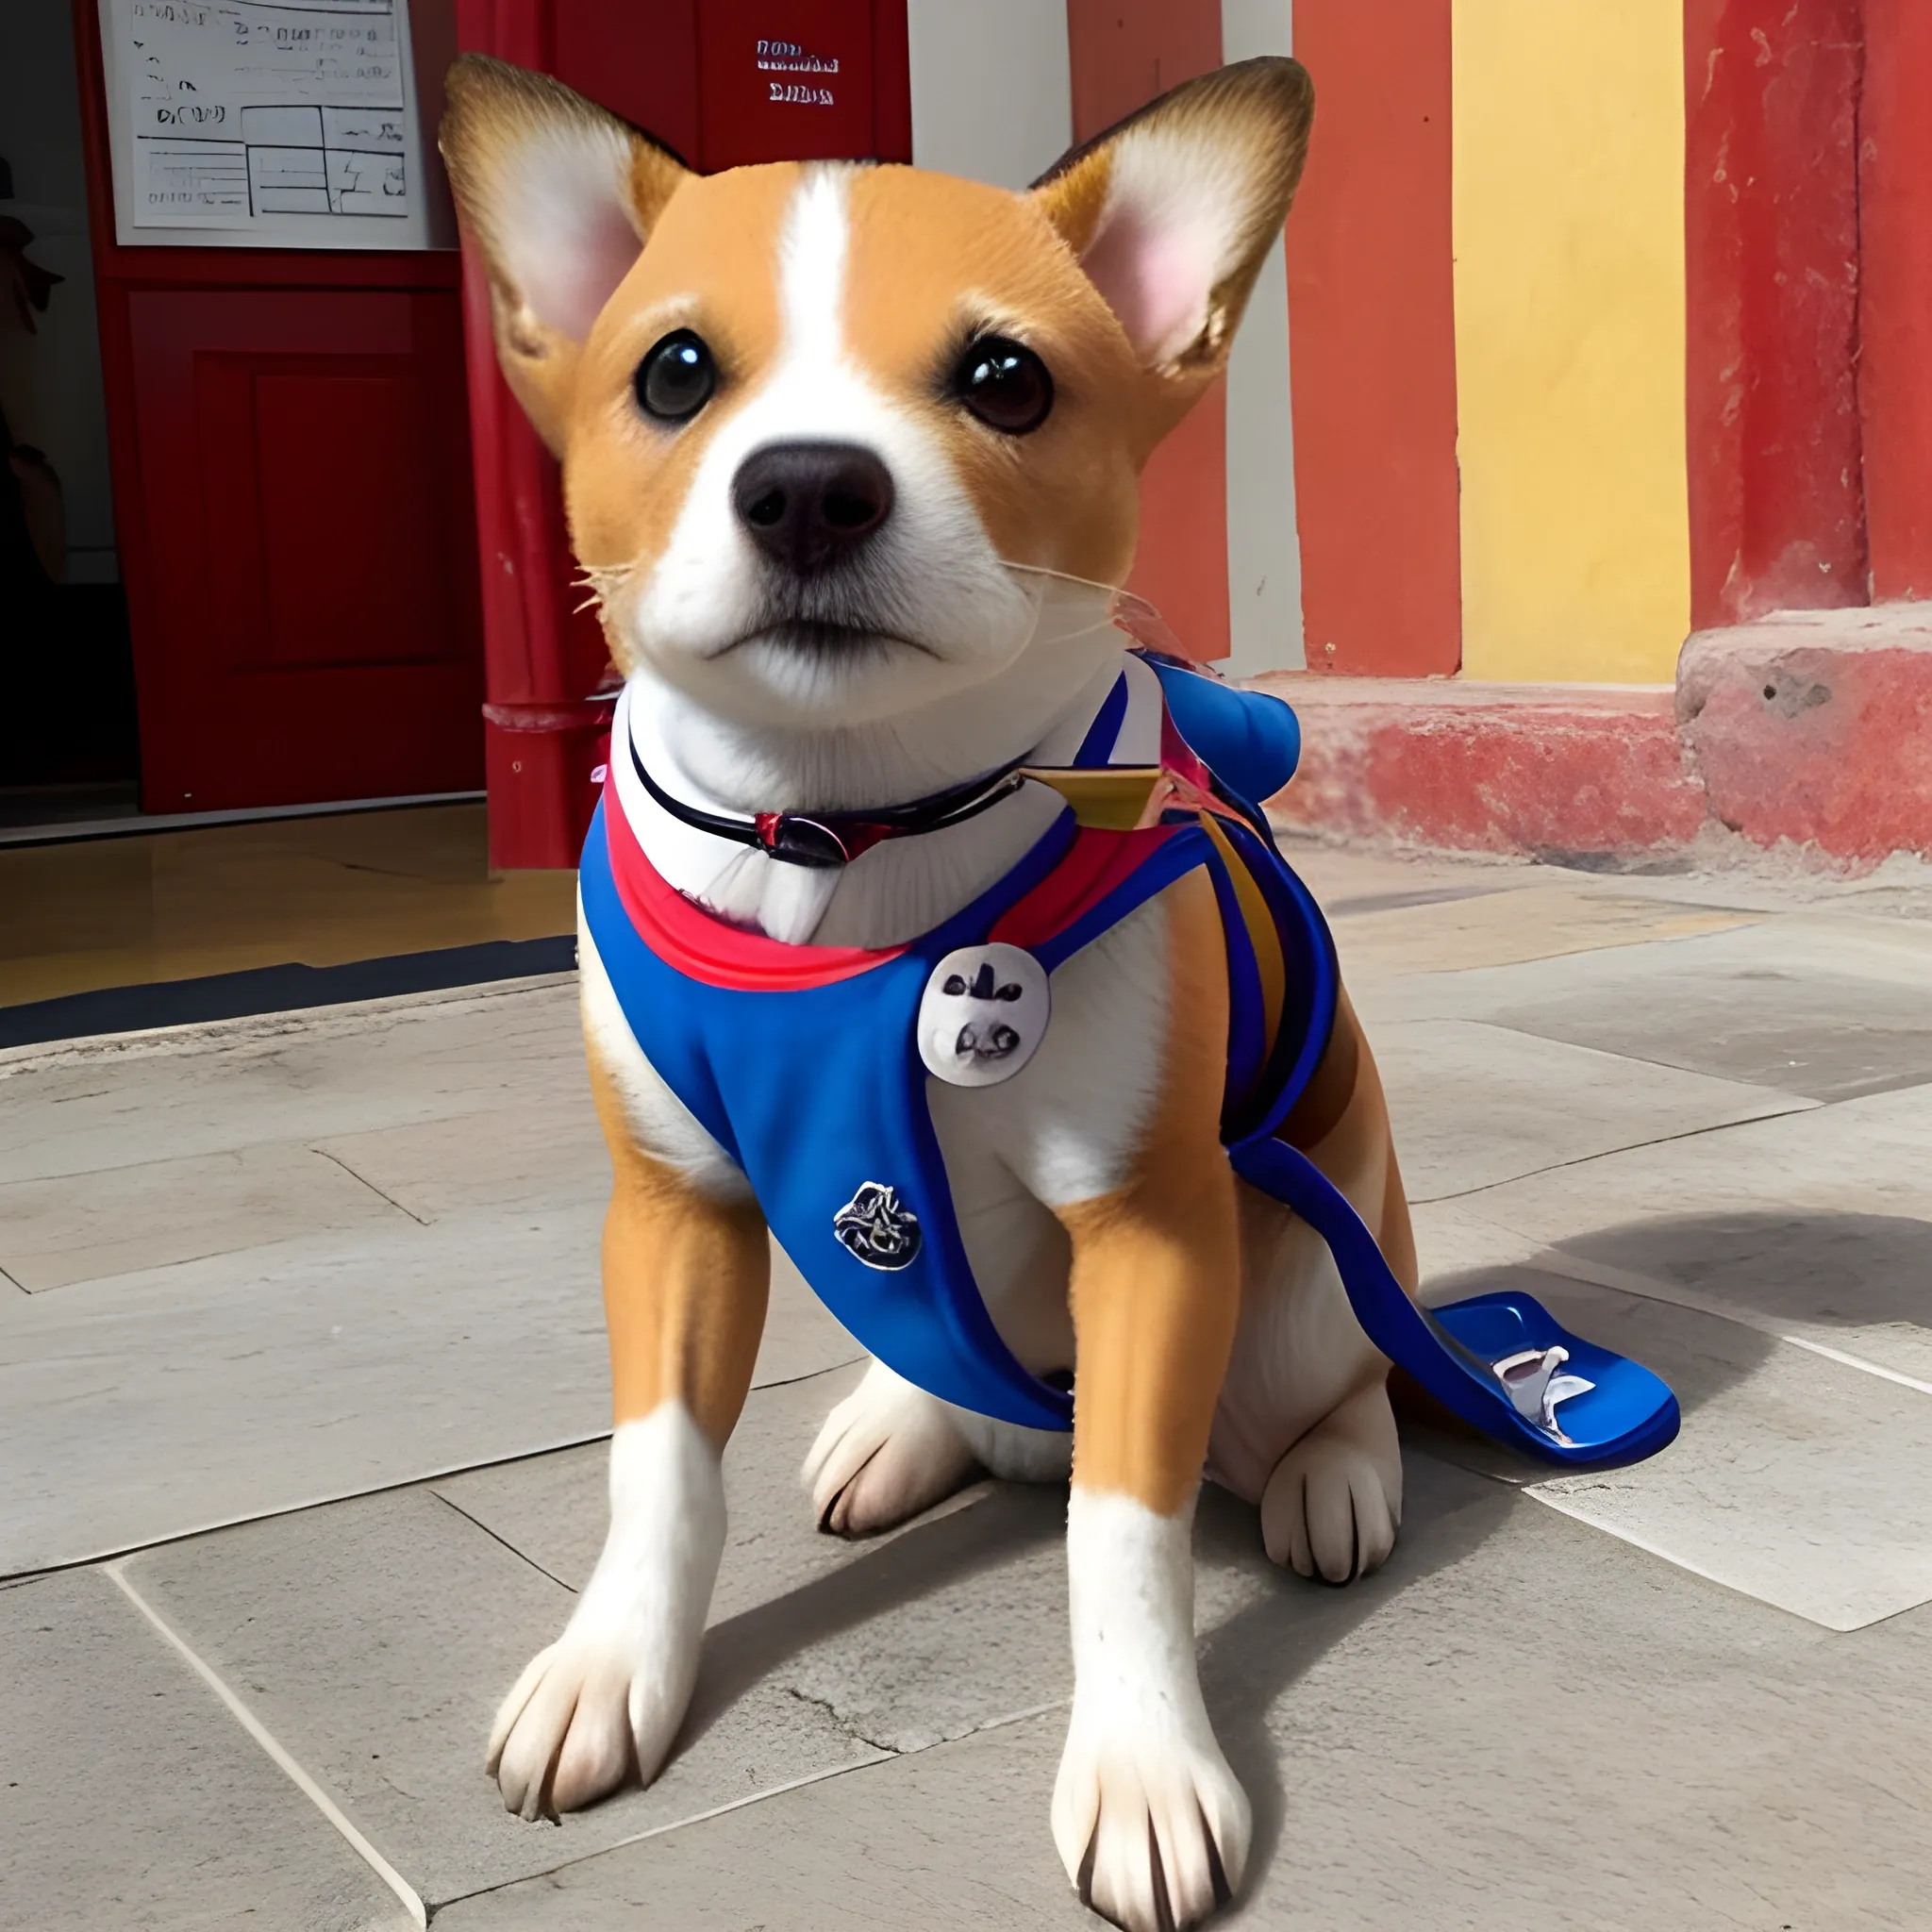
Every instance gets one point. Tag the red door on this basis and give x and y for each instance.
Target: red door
(725, 83)
(291, 489)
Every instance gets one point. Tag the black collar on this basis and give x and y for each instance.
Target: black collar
(827, 840)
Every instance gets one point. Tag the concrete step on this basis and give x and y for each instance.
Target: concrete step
(1810, 728)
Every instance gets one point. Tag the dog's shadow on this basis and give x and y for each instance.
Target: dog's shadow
(952, 1544)
(1839, 1269)
(1247, 1660)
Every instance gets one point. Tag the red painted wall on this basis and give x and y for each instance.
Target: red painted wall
(1372, 331)
(1771, 236)
(1896, 295)
(1124, 53)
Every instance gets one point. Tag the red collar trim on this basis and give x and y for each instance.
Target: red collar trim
(703, 947)
(1093, 866)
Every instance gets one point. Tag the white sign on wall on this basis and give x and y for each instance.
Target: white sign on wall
(265, 124)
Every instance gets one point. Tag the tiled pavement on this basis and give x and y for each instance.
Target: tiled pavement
(299, 1323)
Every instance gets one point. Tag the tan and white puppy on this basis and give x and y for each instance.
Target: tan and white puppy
(851, 454)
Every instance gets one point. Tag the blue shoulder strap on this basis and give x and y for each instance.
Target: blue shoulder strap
(1500, 1362)
(1250, 739)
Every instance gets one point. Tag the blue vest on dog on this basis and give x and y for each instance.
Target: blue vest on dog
(803, 1063)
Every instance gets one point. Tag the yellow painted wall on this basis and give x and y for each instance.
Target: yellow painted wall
(1569, 234)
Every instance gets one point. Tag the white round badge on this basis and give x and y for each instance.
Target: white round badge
(983, 1014)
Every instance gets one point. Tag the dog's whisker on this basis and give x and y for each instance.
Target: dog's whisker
(603, 581)
(1126, 611)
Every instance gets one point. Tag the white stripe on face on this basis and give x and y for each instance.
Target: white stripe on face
(812, 269)
(928, 586)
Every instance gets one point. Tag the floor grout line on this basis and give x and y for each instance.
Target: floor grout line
(880, 1756)
(1801, 1104)
(810, 1777)
(119, 1552)
(1555, 1260)
(278, 1753)
(366, 1182)
(1558, 1502)
(477, 1522)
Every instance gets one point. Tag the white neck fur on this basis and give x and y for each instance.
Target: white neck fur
(902, 887)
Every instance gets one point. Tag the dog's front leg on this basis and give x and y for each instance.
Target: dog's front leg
(685, 1275)
(1150, 1822)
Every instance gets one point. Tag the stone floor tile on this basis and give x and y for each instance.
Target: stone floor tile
(78, 1107)
(1339, 875)
(90, 1226)
(163, 1402)
(1796, 1479)
(1456, 1242)
(1819, 1223)
(552, 1508)
(516, 1156)
(967, 1846)
(1500, 928)
(802, 1337)
(1796, 1004)
(945, 1624)
(1535, 1727)
(1829, 1035)
(132, 1798)
(1517, 1725)
(376, 1638)
(157, 1404)
(1475, 1104)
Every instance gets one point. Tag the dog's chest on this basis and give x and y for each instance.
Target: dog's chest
(1065, 1126)
(1066, 1129)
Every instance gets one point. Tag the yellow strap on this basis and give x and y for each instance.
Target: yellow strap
(1263, 935)
(1113, 799)
(1122, 798)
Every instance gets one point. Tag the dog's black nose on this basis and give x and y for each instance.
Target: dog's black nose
(811, 504)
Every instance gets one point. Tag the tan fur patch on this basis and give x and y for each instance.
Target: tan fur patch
(932, 262)
(1155, 1283)
(686, 1280)
(496, 116)
(1354, 1147)
(713, 266)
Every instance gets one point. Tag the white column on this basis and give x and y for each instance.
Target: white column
(1264, 562)
(993, 91)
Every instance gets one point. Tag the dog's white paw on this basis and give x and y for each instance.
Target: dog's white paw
(606, 1699)
(1151, 1825)
(585, 1715)
(1334, 1503)
(885, 1453)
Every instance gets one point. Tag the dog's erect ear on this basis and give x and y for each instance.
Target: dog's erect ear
(1171, 210)
(559, 197)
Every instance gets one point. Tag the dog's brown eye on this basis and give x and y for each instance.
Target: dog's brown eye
(676, 379)
(1004, 384)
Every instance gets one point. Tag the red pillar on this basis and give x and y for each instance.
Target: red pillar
(541, 657)
(688, 76)
(1771, 237)
(1371, 336)
(1896, 295)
